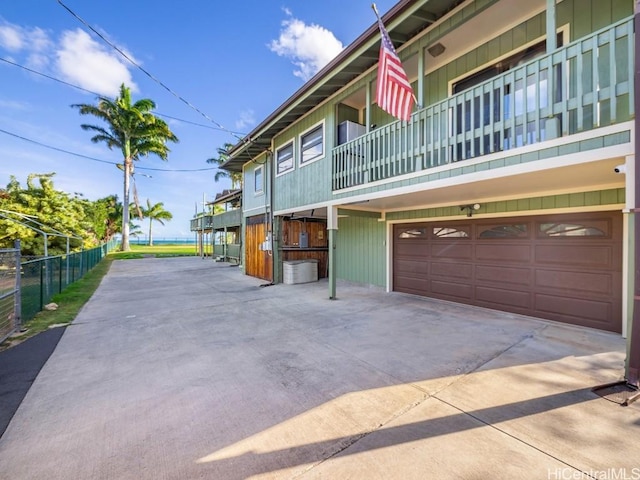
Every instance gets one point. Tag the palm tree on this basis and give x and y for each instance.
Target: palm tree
(223, 156)
(134, 130)
(155, 213)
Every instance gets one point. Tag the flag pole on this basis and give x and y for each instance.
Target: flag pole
(375, 10)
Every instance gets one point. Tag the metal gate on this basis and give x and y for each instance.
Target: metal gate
(10, 303)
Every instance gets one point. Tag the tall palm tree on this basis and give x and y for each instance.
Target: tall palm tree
(134, 130)
(223, 155)
(155, 213)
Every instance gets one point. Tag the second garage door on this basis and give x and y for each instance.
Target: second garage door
(560, 267)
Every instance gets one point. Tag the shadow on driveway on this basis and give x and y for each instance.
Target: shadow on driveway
(19, 367)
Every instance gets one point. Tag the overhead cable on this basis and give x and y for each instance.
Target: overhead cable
(50, 147)
(139, 67)
(35, 72)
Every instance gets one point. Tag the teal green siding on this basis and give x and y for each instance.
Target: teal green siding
(360, 250)
(311, 183)
(614, 196)
(252, 200)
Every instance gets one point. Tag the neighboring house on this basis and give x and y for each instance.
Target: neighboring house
(500, 192)
(220, 233)
(227, 226)
(202, 225)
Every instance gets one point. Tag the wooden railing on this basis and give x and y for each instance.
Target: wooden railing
(582, 86)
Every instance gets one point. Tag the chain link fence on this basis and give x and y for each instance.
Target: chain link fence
(9, 291)
(23, 296)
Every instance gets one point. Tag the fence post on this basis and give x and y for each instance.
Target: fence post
(17, 299)
(42, 267)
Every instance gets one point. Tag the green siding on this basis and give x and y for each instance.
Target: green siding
(614, 196)
(360, 250)
(310, 183)
(251, 200)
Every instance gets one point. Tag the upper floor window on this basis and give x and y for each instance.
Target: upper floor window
(258, 180)
(312, 144)
(284, 158)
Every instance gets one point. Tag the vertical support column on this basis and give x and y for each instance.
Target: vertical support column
(332, 229)
(421, 74)
(367, 111)
(551, 26)
(632, 366)
(276, 249)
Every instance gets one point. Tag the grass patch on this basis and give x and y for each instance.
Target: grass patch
(141, 251)
(73, 298)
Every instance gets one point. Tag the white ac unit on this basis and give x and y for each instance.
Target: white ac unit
(348, 131)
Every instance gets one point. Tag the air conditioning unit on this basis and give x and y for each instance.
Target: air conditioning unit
(348, 131)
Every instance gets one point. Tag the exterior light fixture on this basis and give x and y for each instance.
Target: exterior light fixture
(436, 49)
(470, 208)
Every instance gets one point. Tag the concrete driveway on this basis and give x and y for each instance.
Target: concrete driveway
(183, 368)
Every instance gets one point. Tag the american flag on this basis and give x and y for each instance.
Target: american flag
(393, 92)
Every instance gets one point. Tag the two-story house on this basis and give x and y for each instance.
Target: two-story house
(509, 187)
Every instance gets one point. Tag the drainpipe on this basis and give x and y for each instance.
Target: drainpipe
(633, 339)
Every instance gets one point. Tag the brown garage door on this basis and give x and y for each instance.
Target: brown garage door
(561, 267)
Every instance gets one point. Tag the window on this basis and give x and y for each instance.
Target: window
(284, 158)
(413, 233)
(504, 231)
(258, 180)
(312, 144)
(449, 232)
(573, 230)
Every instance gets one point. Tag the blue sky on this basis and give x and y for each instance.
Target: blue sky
(235, 62)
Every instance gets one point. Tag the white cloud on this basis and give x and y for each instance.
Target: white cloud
(247, 119)
(15, 38)
(11, 37)
(77, 58)
(84, 62)
(310, 47)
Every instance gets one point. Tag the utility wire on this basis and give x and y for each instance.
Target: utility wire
(159, 82)
(50, 147)
(35, 72)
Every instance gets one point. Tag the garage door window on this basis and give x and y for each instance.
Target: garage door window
(451, 232)
(413, 233)
(568, 230)
(517, 230)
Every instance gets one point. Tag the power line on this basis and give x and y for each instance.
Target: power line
(159, 82)
(35, 72)
(50, 147)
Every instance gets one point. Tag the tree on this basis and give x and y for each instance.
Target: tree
(135, 131)
(155, 213)
(40, 206)
(223, 156)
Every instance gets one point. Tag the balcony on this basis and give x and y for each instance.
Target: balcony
(580, 87)
(231, 218)
(202, 223)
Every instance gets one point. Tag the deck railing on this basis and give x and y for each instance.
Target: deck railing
(585, 85)
(204, 222)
